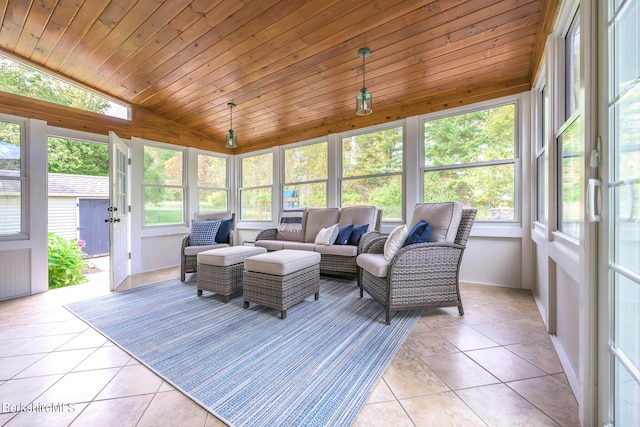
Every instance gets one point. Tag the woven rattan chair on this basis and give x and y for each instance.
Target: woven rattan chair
(420, 276)
(189, 253)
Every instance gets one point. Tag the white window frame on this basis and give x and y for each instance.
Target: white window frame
(226, 188)
(373, 129)
(22, 178)
(285, 183)
(183, 187)
(516, 160)
(274, 198)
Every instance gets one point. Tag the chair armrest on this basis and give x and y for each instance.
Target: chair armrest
(366, 240)
(268, 234)
(185, 242)
(424, 258)
(375, 246)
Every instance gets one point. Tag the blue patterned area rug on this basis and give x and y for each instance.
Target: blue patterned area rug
(247, 366)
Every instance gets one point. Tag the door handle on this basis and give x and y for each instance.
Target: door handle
(594, 215)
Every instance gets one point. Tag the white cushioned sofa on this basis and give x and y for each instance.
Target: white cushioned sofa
(316, 230)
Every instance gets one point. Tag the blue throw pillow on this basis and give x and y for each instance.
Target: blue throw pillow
(419, 233)
(224, 231)
(357, 233)
(203, 232)
(343, 235)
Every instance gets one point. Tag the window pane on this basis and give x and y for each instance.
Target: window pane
(163, 206)
(490, 189)
(627, 402)
(308, 163)
(9, 148)
(572, 67)
(570, 179)
(162, 166)
(257, 170)
(372, 153)
(212, 200)
(10, 207)
(305, 195)
(255, 204)
(384, 192)
(212, 171)
(21, 79)
(473, 137)
(542, 188)
(11, 175)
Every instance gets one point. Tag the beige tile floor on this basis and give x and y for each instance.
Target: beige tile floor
(494, 366)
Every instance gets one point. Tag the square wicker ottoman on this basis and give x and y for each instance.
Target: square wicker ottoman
(220, 270)
(281, 279)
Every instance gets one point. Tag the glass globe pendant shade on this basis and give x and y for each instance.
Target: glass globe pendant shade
(231, 140)
(364, 103)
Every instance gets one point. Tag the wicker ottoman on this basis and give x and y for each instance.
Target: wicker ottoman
(281, 279)
(220, 270)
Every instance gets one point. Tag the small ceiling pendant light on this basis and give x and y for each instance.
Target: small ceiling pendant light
(364, 98)
(232, 138)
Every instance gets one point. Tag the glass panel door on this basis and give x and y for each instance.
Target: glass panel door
(624, 218)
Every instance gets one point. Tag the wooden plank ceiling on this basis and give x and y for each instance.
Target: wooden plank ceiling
(291, 66)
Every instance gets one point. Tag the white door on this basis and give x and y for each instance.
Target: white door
(623, 265)
(118, 211)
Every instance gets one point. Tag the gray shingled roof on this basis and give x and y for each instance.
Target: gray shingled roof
(78, 185)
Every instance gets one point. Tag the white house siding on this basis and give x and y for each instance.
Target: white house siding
(63, 216)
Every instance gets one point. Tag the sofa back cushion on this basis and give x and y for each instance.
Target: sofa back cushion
(291, 225)
(358, 215)
(318, 218)
(444, 219)
(226, 227)
(203, 216)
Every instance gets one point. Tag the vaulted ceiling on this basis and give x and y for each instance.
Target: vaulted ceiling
(291, 67)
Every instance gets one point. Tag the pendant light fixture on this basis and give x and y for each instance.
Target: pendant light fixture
(232, 138)
(364, 98)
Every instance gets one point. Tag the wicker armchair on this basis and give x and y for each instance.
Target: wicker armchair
(419, 276)
(189, 253)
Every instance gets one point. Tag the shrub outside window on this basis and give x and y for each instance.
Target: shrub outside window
(257, 187)
(163, 186)
(305, 176)
(471, 158)
(12, 181)
(372, 168)
(213, 189)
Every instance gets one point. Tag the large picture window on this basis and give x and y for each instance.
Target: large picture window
(12, 181)
(213, 189)
(256, 188)
(372, 171)
(163, 186)
(471, 158)
(305, 176)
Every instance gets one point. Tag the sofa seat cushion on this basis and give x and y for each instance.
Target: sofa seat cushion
(317, 219)
(270, 245)
(375, 264)
(195, 250)
(282, 262)
(299, 246)
(231, 255)
(343, 250)
(444, 219)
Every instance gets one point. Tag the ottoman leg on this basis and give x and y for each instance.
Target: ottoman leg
(283, 314)
(246, 304)
(317, 295)
(199, 292)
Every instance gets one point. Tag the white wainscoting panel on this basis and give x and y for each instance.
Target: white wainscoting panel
(15, 273)
(493, 261)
